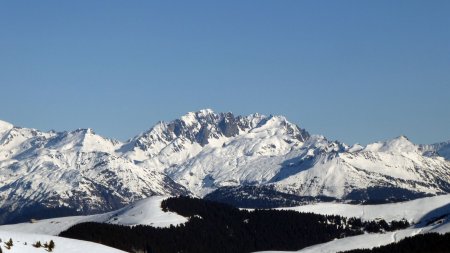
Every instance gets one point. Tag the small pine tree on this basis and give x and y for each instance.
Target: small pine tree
(37, 244)
(9, 243)
(51, 246)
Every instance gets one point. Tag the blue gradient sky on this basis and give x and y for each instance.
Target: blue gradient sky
(356, 71)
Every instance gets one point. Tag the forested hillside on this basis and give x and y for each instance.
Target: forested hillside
(217, 227)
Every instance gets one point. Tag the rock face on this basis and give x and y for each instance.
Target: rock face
(241, 157)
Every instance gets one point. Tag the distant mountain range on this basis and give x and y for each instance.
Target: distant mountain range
(243, 160)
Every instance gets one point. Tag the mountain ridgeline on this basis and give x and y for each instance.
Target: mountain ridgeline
(248, 161)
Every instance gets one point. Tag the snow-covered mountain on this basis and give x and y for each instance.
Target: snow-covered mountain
(45, 174)
(204, 153)
(438, 149)
(394, 169)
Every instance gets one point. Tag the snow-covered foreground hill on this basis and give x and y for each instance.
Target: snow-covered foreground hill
(146, 212)
(22, 243)
(367, 241)
(428, 215)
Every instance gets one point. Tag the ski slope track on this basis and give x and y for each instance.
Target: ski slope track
(51, 174)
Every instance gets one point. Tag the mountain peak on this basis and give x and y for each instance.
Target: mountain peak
(205, 111)
(193, 118)
(198, 129)
(5, 126)
(84, 131)
(82, 139)
(402, 138)
(397, 145)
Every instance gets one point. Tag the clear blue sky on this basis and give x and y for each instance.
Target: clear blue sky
(356, 71)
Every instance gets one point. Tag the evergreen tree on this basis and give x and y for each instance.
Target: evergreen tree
(51, 246)
(9, 243)
(37, 244)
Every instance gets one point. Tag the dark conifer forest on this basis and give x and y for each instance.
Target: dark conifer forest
(423, 243)
(218, 227)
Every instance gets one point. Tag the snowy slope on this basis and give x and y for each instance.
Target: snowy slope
(143, 212)
(367, 241)
(62, 245)
(425, 214)
(413, 210)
